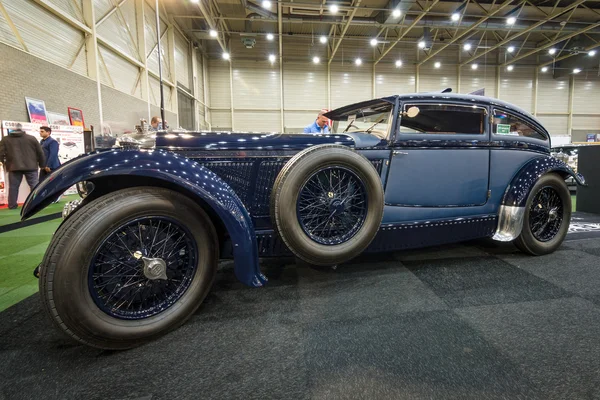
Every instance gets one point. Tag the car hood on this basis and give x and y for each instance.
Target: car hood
(258, 141)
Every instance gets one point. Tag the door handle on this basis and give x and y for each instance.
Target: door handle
(395, 152)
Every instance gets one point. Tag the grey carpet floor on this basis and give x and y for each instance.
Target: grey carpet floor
(470, 321)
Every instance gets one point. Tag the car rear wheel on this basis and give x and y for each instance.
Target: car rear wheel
(129, 267)
(327, 204)
(547, 216)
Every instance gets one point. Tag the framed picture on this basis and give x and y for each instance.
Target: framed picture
(58, 119)
(37, 111)
(76, 117)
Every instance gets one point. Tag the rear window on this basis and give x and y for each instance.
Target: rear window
(442, 119)
(511, 125)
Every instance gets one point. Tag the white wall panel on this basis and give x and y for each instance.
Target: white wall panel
(182, 61)
(218, 84)
(516, 87)
(390, 80)
(258, 121)
(45, 34)
(255, 85)
(102, 7)
(220, 120)
(120, 30)
(553, 94)
(199, 92)
(588, 122)
(557, 125)
(72, 8)
(304, 86)
(6, 34)
(295, 121)
(350, 83)
(484, 77)
(155, 96)
(587, 94)
(122, 75)
(433, 79)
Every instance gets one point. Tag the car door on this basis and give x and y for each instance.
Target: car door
(440, 156)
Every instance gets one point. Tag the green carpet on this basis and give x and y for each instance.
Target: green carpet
(21, 250)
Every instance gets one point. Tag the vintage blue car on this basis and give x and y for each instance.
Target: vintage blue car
(136, 258)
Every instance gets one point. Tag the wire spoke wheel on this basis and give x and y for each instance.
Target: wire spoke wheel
(546, 214)
(332, 205)
(142, 268)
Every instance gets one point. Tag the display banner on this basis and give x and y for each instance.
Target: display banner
(70, 139)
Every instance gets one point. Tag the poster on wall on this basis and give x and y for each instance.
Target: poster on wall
(58, 119)
(76, 117)
(37, 111)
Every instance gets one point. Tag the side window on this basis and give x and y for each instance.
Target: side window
(442, 119)
(509, 125)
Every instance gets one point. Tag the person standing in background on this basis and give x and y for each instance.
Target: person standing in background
(50, 147)
(22, 154)
(156, 124)
(319, 126)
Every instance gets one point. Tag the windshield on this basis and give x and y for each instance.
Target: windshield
(374, 120)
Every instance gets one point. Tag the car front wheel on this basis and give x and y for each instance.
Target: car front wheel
(129, 267)
(547, 216)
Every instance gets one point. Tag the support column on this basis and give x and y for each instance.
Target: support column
(231, 89)
(535, 90)
(497, 81)
(417, 71)
(206, 99)
(91, 45)
(194, 54)
(171, 51)
(141, 38)
(458, 70)
(571, 99)
(280, 30)
(373, 86)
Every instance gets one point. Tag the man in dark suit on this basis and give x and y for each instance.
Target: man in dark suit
(22, 154)
(50, 147)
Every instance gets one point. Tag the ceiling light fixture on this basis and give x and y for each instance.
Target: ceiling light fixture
(511, 20)
(398, 63)
(212, 33)
(510, 68)
(552, 51)
(467, 46)
(266, 4)
(334, 8)
(576, 70)
(358, 61)
(396, 13)
(323, 39)
(510, 49)
(270, 36)
(437, 64)
(592, 53)
(195, 1)
(226, 56)
(422, 44)
(373, 42)
(474, 66)
(455, 17)
(544, 69)
(272, 58)
(316, 60)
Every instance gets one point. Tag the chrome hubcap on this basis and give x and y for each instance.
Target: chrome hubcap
(155, 268)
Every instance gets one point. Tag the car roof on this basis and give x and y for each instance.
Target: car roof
(481, 100)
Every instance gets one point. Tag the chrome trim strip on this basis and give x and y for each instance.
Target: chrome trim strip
(510, 223)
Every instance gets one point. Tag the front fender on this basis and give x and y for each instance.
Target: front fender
(189, 175)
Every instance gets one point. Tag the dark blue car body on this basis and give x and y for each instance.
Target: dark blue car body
(439, 188)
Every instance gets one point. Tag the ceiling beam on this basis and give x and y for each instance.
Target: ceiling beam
(346, 26)
(545, 46)
(592, 47)
(517, 34)
(414, 23)
(211, 22)
(464, 33)
(64, 16)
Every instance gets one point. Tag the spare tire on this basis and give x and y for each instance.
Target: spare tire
(327, 204)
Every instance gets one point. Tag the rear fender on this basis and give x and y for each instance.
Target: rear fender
(194, 180)
(512, 208)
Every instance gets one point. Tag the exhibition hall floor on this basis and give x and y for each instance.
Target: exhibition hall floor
(469, 321)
